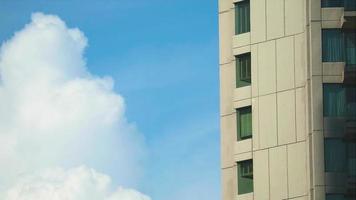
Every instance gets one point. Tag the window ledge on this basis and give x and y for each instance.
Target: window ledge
(242, 93)
(247, 196)
(243, 146)
(240, 40)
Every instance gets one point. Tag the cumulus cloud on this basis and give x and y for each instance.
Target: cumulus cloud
(55, 113)
(79, 183)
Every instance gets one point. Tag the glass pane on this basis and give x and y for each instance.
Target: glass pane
(243, 69)
(242, 17)
(351, 159)
(334, 197)
(332, 3)
(335, 155)
(334, 100)
(350, 5)
(245, 123)
(332, 45)
(350, 50)
(245, 182)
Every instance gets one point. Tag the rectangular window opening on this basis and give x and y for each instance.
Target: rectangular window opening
(245, 176)
(242, 17)
(244, 123)
(243, 70)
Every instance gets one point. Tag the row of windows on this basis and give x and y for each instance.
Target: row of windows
(339, 101)
(242, 12)
(339, 45)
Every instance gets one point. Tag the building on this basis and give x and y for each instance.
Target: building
(288, 99)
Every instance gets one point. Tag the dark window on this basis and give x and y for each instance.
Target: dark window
(243, 70)
(242, 17)
(244, 123)
(245, 176)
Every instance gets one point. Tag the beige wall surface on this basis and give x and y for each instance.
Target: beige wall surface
(285, 94)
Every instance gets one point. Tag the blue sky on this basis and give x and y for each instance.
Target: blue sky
(163, 56)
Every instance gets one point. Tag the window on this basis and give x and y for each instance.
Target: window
(333, 45)
(350, 5)
(339, 46)
(332, 3)
(242, 17)
(245, 176)
(339, 101)
(243, 70)
(334, 100)
(335, 155)
(350, 49)
(244, 123)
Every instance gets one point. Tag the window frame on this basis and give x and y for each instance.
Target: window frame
(239, 112)
(243, 63)
(244, 182)
(242, 17)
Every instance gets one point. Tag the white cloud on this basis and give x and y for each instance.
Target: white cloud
(53, 112)
(79, 183)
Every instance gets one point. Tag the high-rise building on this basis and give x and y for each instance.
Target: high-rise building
(288, 99)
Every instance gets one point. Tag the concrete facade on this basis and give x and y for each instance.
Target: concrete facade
(287, 76)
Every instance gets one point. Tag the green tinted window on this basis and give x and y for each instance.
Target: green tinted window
(335, 155)
(339, 100)
(332, 3)
(243, 70)
(333, 45)
(244, 123)
(242, 17)
(245, 176)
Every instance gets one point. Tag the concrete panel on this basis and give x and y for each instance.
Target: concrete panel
(226, 31)
(297, 169)
(255, 124)
(315, 10)
(241, 50)
(275, 18)
(278, 172)
(333, 79)
(261, 175)
(319, 193)
(268, 121)
(228, 138)
(229, 183)
(248, 196)
(317, 103)
(301, 198)
(332, 24)
(243, 156)
(332, 14)
(258, 21)
(254, 70)
(333, 68)
(227, 86)
(286, 117)
(315, 33)
(300, 59)
(285, 63)
(241, 40)
(295, 16)
(267, 68)
(242, 93)
(318, 155)
(300, 102)
(225, 5)
(243, 146)
(242, 103)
